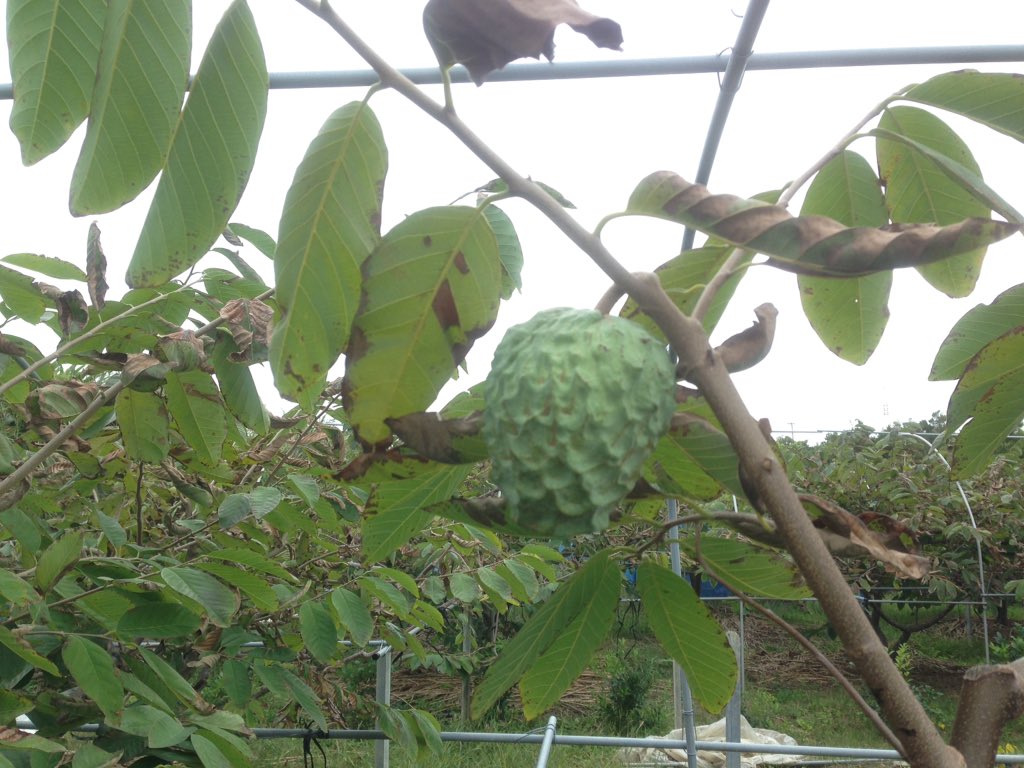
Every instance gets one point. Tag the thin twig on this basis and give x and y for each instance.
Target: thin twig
(810, 647)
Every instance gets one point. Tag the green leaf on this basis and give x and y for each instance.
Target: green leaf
(251, 559)
(969, 180)
(21, 295)
(156, 726)
(50, 266)
(318, 631)
(509, 250)
(229, 745)
(992, 99)
(541, 630)
(694, 459)
(991, 394)
(144, 424)
(16, 590)
(93, 670)
(264, 243)
(88, 755)
(57, 559)
(553, 673)
(158, 621)
(238, 387)
(848, 315)
(306, 487)
(430, 289)
(387, 593)
(112, 529)
(306, 699)
(753, 570)
(209, 754)
(917, 191)
(683, 279)
(464, 587)
(10, 641)
(140, 84)
(211, 155)
(256, 589)
(353, 615)
(175, 683)
(690, 635)
(195, 403)
(395, 511)
(219, 601)
(810, 245)
(54, 45)
(236, 682)
(330, 223)
(974, 330)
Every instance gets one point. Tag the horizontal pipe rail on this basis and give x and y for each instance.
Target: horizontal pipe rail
(679, 65)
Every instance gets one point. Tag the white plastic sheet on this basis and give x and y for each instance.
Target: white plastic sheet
(716, 732)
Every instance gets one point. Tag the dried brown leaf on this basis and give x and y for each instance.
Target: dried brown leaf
(72, 312)
(846, 525)
(96, 268)
(749, 347)
(485, 35)
(809, 245)
(248, 321)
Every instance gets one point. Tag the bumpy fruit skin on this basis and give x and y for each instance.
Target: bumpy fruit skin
(575, 403)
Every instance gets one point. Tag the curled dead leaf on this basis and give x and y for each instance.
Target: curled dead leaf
(183, 349)
(485, 35)
(248, 321)
(849, 527)
(96, 268)
(72, 312)
(144, 373)
(750, 346)
(809, 245)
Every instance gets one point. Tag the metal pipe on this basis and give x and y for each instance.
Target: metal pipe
(545, 745)
(382, 754)
(678, 65)
(584, 741)
(977, 542)
(730, 85)
(682, 697)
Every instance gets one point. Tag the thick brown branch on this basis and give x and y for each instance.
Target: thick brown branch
(990, 698)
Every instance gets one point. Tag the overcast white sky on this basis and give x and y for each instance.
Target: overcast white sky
(593, 141)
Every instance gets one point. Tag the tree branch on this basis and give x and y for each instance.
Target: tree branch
(990, 698)
(921, 740)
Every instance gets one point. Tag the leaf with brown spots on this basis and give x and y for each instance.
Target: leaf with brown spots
(429, 290)
(330, 224)
(485, 35)
(809, 245)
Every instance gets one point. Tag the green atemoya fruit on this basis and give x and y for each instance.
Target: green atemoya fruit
(575, 403)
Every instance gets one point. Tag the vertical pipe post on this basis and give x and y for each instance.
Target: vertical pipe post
(467, 683)
(682, 698)
(732, 710)
(549, 740)
(382, 749)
